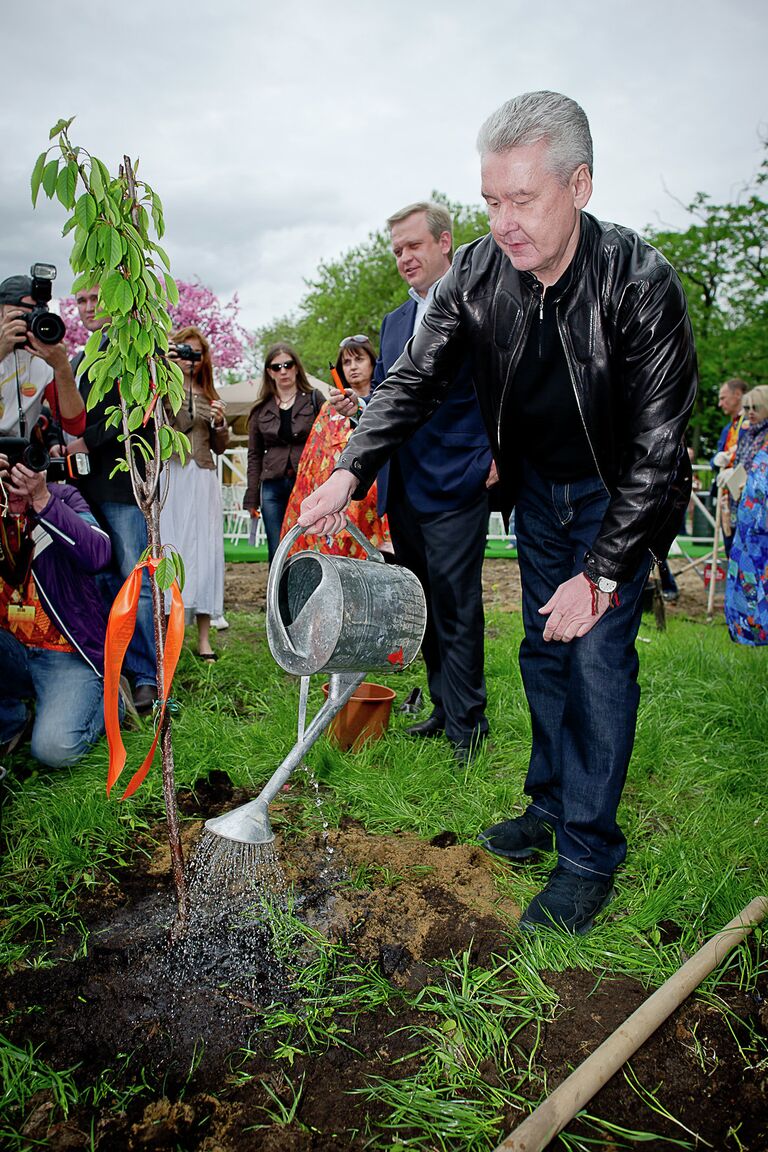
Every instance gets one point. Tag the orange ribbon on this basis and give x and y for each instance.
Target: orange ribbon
(120, 629)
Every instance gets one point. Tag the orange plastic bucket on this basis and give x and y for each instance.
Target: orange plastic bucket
(364, 717)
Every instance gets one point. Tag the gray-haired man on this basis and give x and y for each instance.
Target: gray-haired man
(586, 373)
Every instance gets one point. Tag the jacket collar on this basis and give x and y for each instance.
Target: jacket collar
(573, 272)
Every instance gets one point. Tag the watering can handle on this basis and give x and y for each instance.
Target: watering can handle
(278, 560)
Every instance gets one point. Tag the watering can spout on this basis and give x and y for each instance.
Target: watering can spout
(329, 613)
(248, 824)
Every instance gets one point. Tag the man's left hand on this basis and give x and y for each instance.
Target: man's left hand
(570, 610)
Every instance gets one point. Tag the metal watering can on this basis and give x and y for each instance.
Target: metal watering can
(338, 616)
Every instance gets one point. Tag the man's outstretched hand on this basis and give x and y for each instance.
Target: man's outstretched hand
(571, 610)
(324, 511)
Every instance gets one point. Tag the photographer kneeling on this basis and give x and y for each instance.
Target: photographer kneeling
(52, 618)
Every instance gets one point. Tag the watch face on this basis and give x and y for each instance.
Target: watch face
(606, 585)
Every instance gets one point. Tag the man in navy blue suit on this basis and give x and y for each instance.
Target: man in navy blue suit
(434, 492)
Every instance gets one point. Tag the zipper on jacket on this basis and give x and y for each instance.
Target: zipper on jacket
(576, 397)
(514, 360)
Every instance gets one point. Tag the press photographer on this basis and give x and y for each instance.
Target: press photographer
(34, 368)
(44, 451)
(52, 617)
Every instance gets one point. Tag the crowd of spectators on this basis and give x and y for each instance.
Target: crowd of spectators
(65, 547)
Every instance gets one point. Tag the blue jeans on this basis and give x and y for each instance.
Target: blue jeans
(584, 695)
(275, 495)
(68, 697)
(128, 532)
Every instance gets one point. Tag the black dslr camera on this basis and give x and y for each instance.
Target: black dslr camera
(186, 352)
(33, 452)
(44, 325)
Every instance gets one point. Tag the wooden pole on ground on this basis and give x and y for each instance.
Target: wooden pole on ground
(570, 1097)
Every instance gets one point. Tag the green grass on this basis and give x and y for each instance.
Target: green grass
(693, 811)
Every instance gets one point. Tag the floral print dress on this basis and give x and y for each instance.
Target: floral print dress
(746, 589)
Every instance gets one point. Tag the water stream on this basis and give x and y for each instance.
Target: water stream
(224, 964)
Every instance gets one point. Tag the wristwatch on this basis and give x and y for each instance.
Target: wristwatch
(605, 585)
(602, 583)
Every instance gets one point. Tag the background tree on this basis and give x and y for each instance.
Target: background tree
(722, 260)
(353, 293)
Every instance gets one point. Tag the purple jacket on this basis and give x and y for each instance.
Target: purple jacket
(69, 549)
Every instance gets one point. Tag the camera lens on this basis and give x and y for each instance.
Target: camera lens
(35, 457)
(47, 327)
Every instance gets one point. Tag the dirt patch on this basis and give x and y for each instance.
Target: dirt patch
(166, 1059)
(198, 1071)
(246, 588)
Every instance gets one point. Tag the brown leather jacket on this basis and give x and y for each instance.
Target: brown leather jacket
(269, 457)
(624, 326)
(196, 425)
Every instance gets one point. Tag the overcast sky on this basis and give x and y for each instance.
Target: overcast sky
(278, 133)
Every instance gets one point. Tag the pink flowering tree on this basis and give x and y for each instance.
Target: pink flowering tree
(197, 305)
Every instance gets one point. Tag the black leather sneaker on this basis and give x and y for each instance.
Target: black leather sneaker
(520, 838)
(568, 902)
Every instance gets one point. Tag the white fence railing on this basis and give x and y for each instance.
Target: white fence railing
(238, 524)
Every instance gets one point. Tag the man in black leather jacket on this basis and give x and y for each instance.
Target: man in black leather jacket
(586, 372)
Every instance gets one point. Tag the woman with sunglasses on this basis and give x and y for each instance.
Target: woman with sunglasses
(278, 427)
(331, 430)
(746, 589)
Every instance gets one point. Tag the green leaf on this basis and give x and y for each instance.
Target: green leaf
(95, 180)
(165, 573)
(135, 416)
(92, 247)
(143, 219)
(70, 224)
(66, 183)
(181, 445)
(123, 297)
(117, 293)
(81, 239)
(60, 126)
(171, 289)
(178, 563)
(50, 172)
(134, 260)
(84, 280)
(126, 390)
(141, 383)
(163, 255)
(108, 286)
(113, 248)
(37, 176)
(85, 210)
(103, 172)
